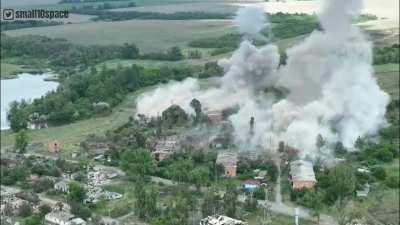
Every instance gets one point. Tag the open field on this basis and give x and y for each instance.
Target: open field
(149, 35)
(9, 70)
(215, 7)
(387, 11)
(388, 79)
(53, 4)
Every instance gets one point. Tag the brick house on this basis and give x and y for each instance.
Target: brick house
(165, 147)
(215, 116)
(302, 175)
(229, 161)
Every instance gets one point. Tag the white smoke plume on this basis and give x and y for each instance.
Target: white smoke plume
(332, 91)
(251, 21)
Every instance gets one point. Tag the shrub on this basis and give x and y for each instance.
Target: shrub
(379, 173)
(392, 182)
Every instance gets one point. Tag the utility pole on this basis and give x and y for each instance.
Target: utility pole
(296, 216)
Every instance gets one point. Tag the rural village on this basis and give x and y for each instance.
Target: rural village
(206, 128)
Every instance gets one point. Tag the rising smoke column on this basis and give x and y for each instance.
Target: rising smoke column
(250, 22)
(329, 78)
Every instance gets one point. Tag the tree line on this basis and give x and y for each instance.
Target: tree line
(129, 15)
(62, 54)
(79, 95)
(84, 1)
(388, 54)
(19, 24)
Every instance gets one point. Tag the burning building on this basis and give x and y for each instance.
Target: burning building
(229, 161)
(302, 175)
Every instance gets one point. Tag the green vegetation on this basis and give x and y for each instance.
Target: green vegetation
(387, 55)
(129, 15)
(175, 33)
(13, 25)
(10, 71)
(84, 1)
(21, 141)
(73, 55)
(291, 25)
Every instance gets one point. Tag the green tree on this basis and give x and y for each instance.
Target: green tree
(137, 163)
(146, 200)
(199, 177)
(211, 203)
(76, 193)
(340, 150)
(174, 116)
(229, 199)
(384, 154)
(44, 209)
(33, 220)
(25, 210)
(379, 173)
(18, 116)
(21, 141)
(130, 51)
(342, 183)
(175, 54)
(196, 105)
(80, 210)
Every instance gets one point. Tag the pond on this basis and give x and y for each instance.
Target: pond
(25, 86)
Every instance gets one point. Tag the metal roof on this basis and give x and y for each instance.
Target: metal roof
(301, 170)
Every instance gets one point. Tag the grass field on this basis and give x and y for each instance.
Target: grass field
(388, 79)
(53, 4)
(216, 7)
(9, 70)
(149, 35)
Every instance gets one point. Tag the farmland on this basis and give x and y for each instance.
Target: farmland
(216, 7)
(146, 34)
(53, 4)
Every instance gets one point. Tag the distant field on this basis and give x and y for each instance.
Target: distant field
(149, 35)
(9, 70)
(216, 7)
(53, 4)
(388, 79)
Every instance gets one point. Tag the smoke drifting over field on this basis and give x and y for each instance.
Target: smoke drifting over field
(329, 79)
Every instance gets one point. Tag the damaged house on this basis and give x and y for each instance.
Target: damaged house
(215, 116)
(229, 161)
(221, 220)
(165, 147)
(302, 175)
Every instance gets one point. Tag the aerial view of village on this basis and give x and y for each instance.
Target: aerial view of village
(200, 112)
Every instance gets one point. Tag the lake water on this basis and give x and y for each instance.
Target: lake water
(26, 86)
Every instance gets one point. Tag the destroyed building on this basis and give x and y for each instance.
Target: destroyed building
(229, 161)
(62, 218)
(215, 116)
(165, 147)
(221, 220)
(302, 175)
